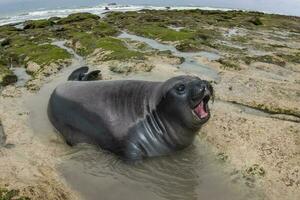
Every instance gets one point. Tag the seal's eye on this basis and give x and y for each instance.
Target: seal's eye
(180, 88)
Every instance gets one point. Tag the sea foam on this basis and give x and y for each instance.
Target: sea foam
(98, 10)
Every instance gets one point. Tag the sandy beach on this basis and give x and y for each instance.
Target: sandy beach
(254, 131)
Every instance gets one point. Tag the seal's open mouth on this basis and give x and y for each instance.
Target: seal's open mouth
(202, 110)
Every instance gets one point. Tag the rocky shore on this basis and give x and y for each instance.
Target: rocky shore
(251, 58)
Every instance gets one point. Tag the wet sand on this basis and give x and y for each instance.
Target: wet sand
(241, 153)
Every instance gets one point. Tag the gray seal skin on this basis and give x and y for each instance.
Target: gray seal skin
(133, 119)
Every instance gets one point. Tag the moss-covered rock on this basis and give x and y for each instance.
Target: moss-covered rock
(266, 59)
(4, 42)
(198, 18)
(256, 21)
(6, 194)
(32, 24)
(294, 58)
(127, 68)
(86, 44)
(118, 49)
(162, 33)
(41, 54)
(189, 46)
(6, 76)
(7, 30)
(228, 64)
(54, 19)
(76, 17)
(276, 110)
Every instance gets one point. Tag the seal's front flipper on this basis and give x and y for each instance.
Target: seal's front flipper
(81, 74)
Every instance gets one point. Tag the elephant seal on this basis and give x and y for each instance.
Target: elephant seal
(133, 119)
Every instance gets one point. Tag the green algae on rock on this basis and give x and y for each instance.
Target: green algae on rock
(6, 76)
(24, 51)
(42, 23)
(131, 67)
(266, 59)
(6, 194)
(76, 17)
(229, 64)
(162, 33)
(200, 28)
(294, 58)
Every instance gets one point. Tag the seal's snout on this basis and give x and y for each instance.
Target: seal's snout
(200, 91)
(200, 96)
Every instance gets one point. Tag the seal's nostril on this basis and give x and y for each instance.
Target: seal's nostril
(203, 87)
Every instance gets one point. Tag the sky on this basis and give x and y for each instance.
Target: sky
(289, 7)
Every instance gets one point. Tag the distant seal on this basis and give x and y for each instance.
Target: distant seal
(133, 119)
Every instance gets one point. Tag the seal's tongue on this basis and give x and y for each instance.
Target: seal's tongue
(200, 110)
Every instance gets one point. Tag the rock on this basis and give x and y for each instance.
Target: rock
(54, 19)
(143, 67)
(6, 76)
(51, 69)
(76, 17)
(33, 24)
(44, 73)
(98, 55)
(165, 53)
(9, 79)
(11, 91)
(57, 28)
(4, 42)
(256, 21)
(78, 45)
(32, 67)
(188, 46)
(126, 68)
(34, 85)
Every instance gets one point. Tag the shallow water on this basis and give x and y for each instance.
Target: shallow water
(191, 174)
(38, 104)
(23, 77)
(190, 63)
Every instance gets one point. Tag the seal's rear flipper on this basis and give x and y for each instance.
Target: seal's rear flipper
(81, 74)
(78, 74)
(93, 75)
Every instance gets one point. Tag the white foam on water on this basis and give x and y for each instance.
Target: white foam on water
(98, 10)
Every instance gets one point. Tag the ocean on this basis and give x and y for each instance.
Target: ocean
(14, 11)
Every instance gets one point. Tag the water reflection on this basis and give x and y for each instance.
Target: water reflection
(191, 174)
